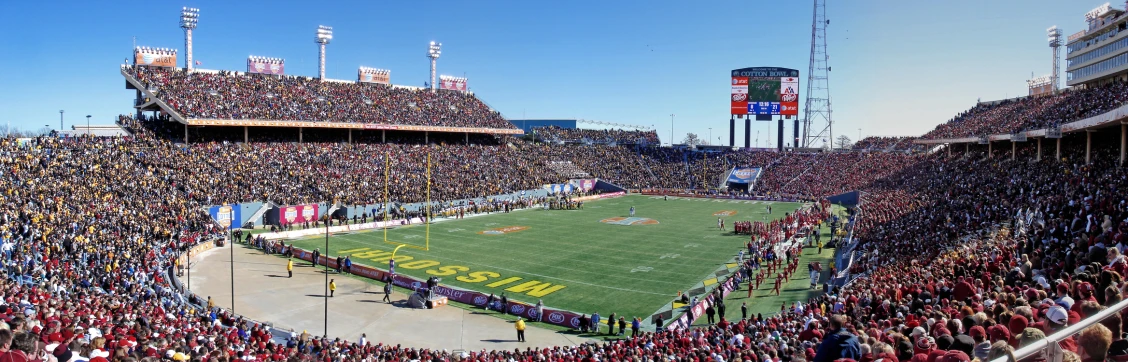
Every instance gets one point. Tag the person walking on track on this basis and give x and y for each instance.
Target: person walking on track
(388, 291)
(290, 267)
(332, 287)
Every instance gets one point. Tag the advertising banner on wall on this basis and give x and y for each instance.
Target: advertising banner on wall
(265, 65)
(373, 75)
(227, 216)
(298, 214)
(744, 175)
(452, 83)
(584, 185)
(157, 57)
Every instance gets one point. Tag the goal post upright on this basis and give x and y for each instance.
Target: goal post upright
(386, 178)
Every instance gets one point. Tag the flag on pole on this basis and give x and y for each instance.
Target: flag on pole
(199, 62)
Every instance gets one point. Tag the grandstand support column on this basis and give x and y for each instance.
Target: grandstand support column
(245, 134)
(949, 150)
(1123, 140)
(990, 148)
(1088, 146)
(1057, 153)
(350, 136)
(1039, 156)
(382, 134)
(300, 131)
(1014, 148)
(186, 134)
(426, 137)
(467, 134)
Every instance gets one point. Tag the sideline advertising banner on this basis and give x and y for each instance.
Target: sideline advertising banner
(298, 214)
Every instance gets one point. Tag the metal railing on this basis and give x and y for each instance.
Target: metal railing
(1049, 347)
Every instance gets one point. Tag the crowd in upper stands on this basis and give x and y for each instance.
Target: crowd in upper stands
(895, 144)
(230, 95)
(1032, 113)
(597, 136)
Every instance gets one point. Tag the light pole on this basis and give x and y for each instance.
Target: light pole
(859, 134)
(1054, 35)
(433, 52)
(88, 125)
(710, 135)
(60, 120)
(324, 35)
(325, 333)
(188, 19)
(671, 130)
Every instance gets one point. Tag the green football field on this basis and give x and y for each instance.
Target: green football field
(593, 260)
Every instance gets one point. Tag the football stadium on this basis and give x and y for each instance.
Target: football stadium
(267, 214)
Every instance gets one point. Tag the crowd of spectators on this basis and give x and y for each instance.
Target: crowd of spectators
(960, 257)
(1032, 113)
(894, 144)
(595, 136)
(230, 95)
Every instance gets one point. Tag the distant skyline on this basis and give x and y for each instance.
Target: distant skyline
(899, 68)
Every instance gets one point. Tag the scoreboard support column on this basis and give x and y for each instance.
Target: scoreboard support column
(779, 135)
(747, 132)
(732, 132)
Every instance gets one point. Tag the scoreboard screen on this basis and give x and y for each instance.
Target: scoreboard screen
(765, 91)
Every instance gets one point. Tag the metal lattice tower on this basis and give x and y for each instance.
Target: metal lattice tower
(1054, 35)
(817, 121)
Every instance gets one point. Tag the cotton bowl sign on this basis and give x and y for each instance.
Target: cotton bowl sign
(297, 214)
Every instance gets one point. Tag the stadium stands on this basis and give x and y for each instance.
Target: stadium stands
(920, 245)
(953, 252)
(1032, 113)
(604, 136)
(238, 96)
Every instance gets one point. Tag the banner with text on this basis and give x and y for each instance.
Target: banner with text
(553, 316)
(298, 214)
(154, 57)
(263, 65)
(227, 216)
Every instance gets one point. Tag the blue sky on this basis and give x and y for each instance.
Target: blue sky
(899, 67)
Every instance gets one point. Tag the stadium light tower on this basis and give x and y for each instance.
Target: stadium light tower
(188, 19)
(433, 52)
(324, 35)
(1055, 43)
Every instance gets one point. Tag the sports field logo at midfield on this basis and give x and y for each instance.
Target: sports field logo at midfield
(503, 230)
(725, 213)
(629, 221)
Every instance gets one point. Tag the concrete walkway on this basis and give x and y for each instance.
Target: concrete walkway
(263, 292)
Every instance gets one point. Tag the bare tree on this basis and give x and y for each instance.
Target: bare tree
(691, 140)
(843, 142)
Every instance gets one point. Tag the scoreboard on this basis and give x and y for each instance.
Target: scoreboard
(765, 91)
